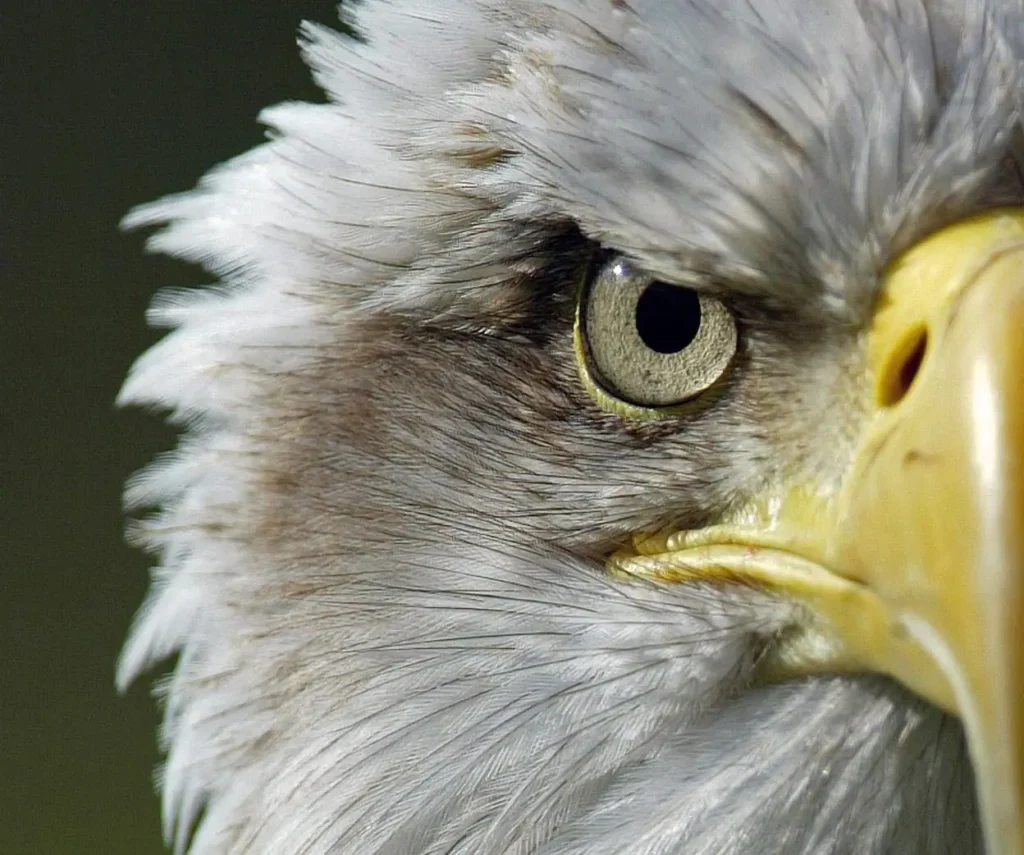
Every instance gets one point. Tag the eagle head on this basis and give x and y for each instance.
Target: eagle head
(606, 438)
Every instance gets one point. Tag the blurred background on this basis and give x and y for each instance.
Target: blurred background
(102, 105)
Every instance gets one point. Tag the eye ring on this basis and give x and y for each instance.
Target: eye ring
(644, 347)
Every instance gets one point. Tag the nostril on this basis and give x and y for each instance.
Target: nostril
(903, 368)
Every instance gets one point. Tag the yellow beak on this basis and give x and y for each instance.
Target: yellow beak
(913, 565)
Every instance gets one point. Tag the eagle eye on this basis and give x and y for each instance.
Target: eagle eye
(646, 345)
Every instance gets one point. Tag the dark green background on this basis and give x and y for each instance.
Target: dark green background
(102, 105)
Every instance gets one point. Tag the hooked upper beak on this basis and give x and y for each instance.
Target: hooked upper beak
(913, 565)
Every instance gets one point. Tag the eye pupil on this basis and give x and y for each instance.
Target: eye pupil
(667, 317)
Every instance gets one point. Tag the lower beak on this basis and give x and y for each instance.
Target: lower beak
(914, 565)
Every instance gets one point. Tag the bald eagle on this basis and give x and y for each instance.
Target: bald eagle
(606, 438)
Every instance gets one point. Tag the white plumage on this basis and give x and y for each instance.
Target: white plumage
(380, 541)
